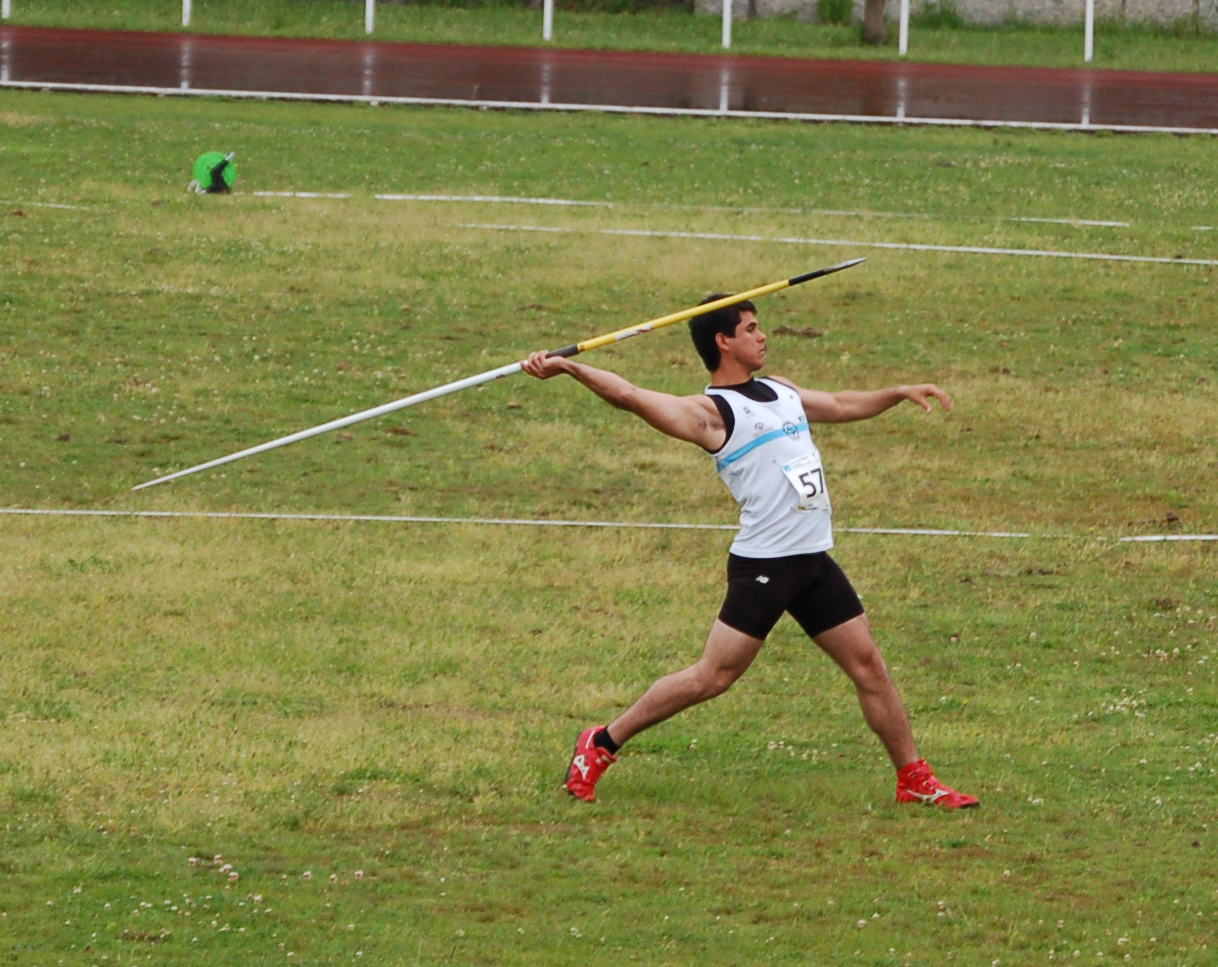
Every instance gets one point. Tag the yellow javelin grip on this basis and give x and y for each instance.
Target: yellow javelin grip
(730, 300)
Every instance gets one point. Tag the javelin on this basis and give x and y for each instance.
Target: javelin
(572, 350)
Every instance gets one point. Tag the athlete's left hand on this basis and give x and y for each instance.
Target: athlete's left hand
(923, 393)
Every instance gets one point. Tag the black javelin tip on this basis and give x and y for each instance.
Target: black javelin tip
(809, 276)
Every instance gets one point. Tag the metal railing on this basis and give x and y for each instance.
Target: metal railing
(547, 22)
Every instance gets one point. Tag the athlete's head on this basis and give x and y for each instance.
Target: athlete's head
(706, 327)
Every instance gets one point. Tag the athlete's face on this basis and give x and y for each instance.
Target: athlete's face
(748, 345)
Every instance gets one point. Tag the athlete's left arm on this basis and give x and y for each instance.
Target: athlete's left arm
(850, 405)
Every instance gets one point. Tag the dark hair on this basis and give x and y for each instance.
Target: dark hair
(705, 327)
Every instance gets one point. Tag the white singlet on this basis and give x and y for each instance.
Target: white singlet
(773, 469)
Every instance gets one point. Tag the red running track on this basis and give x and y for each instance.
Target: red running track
(537, 78)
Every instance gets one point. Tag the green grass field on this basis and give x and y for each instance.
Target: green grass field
(257, 741)
(1182, 46)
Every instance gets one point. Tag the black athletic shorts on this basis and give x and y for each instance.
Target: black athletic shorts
(811, 587)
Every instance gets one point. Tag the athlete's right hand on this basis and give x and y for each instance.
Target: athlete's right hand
(542, 365)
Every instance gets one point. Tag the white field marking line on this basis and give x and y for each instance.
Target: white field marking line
(1168, 538)
(518, 522)
(841, 242)
(573, 203)
(300, 194)
(1089, 127)
(45, 204)
(564, 202)
(1089, 222)
(499, 198)
(343, 518)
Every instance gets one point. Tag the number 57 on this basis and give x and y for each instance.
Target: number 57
(813, 481)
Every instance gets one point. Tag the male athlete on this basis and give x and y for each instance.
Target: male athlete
(757, 432)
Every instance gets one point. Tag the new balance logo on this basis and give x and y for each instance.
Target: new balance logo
(930, 797)
(581, 764)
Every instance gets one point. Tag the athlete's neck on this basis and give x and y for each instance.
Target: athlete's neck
(716, 384)
(731, 373)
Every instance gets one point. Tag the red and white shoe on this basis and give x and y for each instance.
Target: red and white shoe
(916, 782)
(588, 764)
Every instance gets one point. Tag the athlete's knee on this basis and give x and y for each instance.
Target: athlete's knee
(714, 680)
(868, 670)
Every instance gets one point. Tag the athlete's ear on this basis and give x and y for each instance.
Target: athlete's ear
(721, 339)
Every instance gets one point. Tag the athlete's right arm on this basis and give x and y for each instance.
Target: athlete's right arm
(694, 419)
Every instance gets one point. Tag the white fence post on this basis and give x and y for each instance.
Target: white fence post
(6, 9)
(1089, 31)
(547, 20)
(904, 42)
(727, 23)
(369, 16)
(185, 13)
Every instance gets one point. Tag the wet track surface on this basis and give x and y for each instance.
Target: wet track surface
(536, 78)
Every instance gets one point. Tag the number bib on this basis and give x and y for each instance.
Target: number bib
(807, 476)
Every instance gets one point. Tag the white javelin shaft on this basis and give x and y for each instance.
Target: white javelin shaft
(381, 410)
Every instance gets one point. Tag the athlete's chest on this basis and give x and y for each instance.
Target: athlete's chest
(781, 419)
(769, 432)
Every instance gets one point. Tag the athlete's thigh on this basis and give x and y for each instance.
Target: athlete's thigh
(728, 649)
(850, 644)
